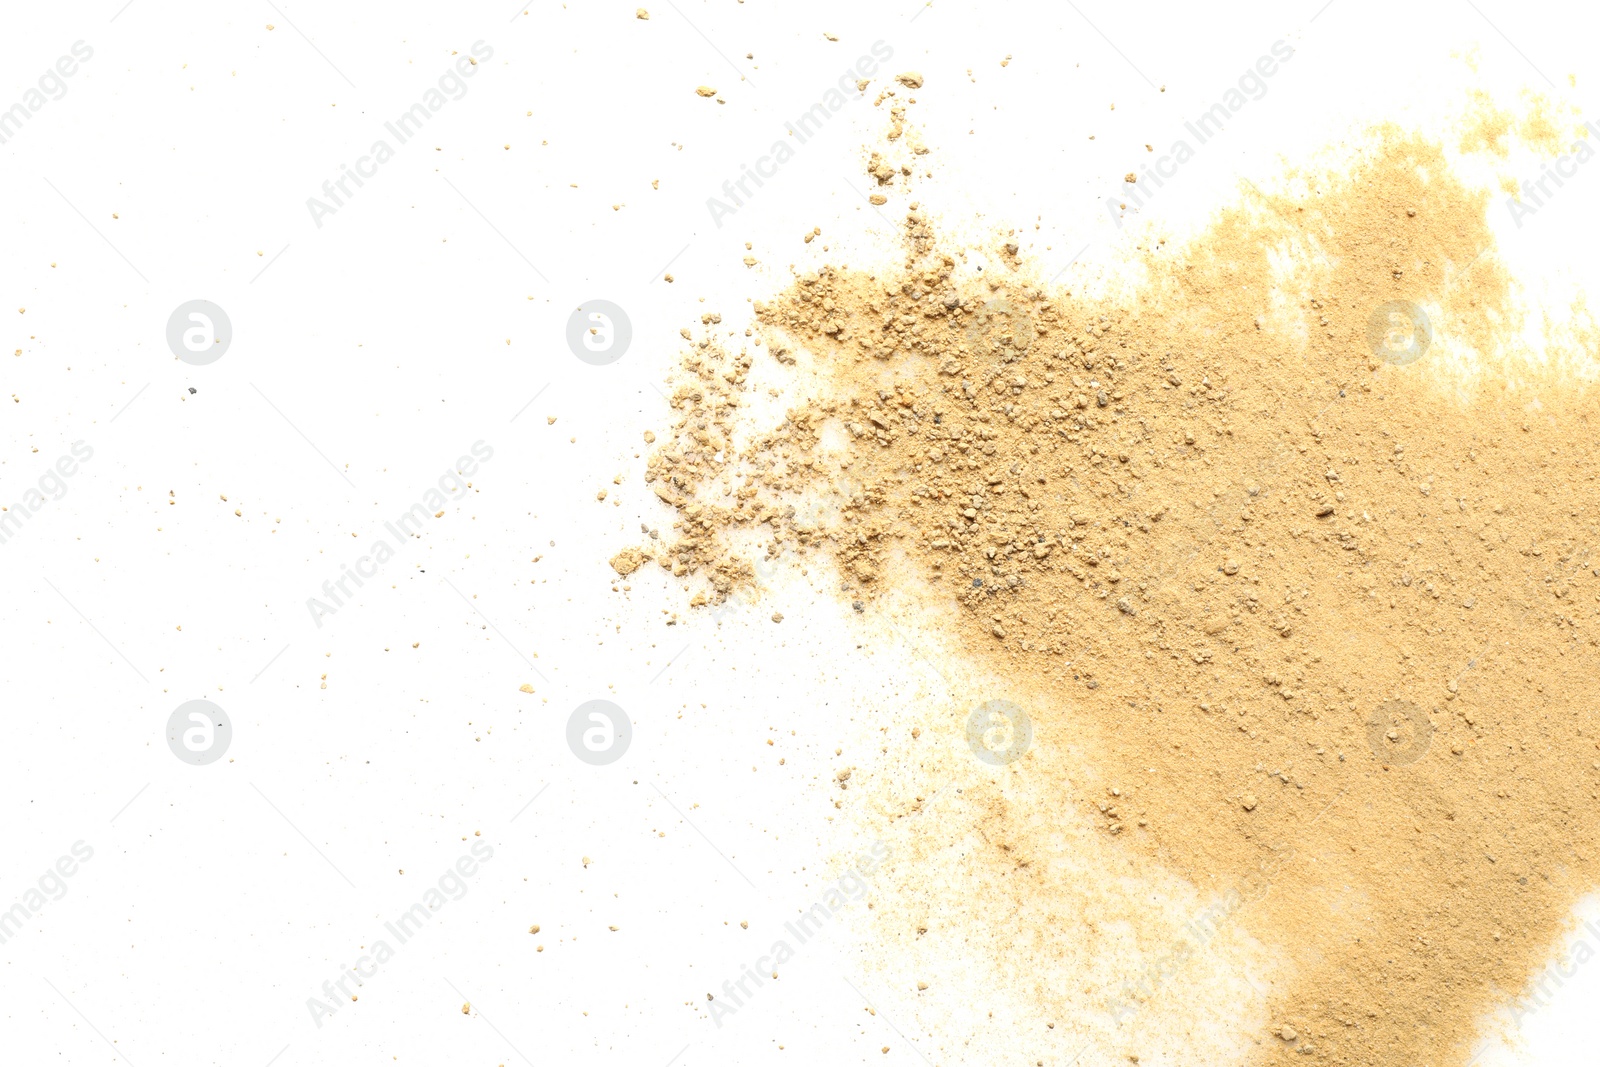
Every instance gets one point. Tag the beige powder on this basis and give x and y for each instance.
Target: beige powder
(1300, 627)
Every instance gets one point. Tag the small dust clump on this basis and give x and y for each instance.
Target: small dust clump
(627, 561)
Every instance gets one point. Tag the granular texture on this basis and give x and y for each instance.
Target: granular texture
(1299, 589)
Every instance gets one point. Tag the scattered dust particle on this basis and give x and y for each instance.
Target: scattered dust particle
(1248, 802)
(705, 90)
(601, 495)
(910, 79)
(533, 929)
(642, 14)
(627, 561)
(649, 437)
(550, 420)
(526, 687)
(777, 616)
(466, 1009)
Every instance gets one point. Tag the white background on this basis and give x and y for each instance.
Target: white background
(429, 313)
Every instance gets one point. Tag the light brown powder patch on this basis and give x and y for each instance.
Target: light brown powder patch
(1310, 631)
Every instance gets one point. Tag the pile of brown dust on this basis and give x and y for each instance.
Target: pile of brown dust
(1321, 621)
